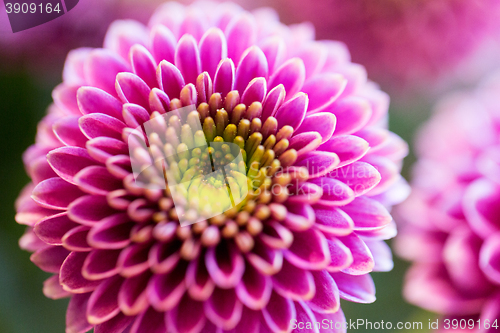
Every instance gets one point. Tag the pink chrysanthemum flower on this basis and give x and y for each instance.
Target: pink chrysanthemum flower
(453, 232)
(306, 119)
(405, 44)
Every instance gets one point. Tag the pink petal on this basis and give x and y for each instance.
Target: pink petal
(187, 58)
(382, 255)
(187, 317)
(123, 34)
(163, 257)
(170, 79)
(279, 313)
(112, 232)
(293, 111)
(76, 239)
(143, 65)
(70, 276)
(68, 161)
(481, 208)
(299, 217)
(273, 101)
(52, 229)
(275, 50)
(64, 97)
(314, 55)
(253, 64)
(117, 324)
(158, 101)
(335, 192)
(276, 236)
(97, 124)
(79, 210)
(225, 265)
(340, 254)
(323, 90)
(76, 321)
(367, 214)
(97, 180)
(333, 221)
(50, 258)
(166, 290)
(255, 91)
(349, 148)
(223, 308)
(213, 48)
(73, 71)
(322, 122)
(240, 33)
(132, 89)
(53, 290)
(94, 100)
(101, 68)
(200, 285)
(162, 43)
(291, 75)
(132, 297)
(103, 148)
(224, 77)
(68, 132)
(55, 193)
(149, 321)
(309, 250)
(305, 321)
(361, 177)
(133, 259)
(255, 289)
(265, 260)
(355, 288)
(318, 163)
(294, 283)
(352, 114)
(100, 264)
(103, 304)
(362, 258)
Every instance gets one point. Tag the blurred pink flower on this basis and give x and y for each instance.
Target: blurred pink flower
(452, 232)
(293, 104)
(403, 44)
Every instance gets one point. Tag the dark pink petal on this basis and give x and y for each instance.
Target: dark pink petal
(309, 250)
(30, 242)
(68, 132)
(68, 161)
(132, 297)
(318, 163)
(240, 33)
(279, 313)
(340, 254)
(52, 229)
(294, 283)
(117, 324)
(170, 79)
(322, 122)
(249, 323)
(265, 260)
(333, 221)
(135, 115)
(349, 148)
(224, 77)
(187, 58)
(166, 290)
(76, 321)
(158, 101)
(53, 290)
(187, 317)
(355, 288)
(305, 193)
(362, 258)
(255, 289)
(97, 180)
(273, 101)
(489, 258)
(352, 114)
(361, 177)
(100, 264)
(98, 124)
(323, 90)
(275, 50)
(55, 193)
(101, 68)
(367, 214)
(305, 142)
(213, 48)
(28, 211)
(253, 64)
(40, 169)
(299, 217)
(119, 166)
(491, 312)
(481, 208)
(255, 91)
(112, 232)
(163, 257)
(149, 321)
(132, 89)
(73, 71)
(94, 100)
(103, 304)
(70, 276)
(335, 192)
(276, 236)
(223, 308)
(140, 210)
(133, 259)
(225, 265)
(143, 65)
(382, 255)
(123, 34)
(79, 210)
(64, 97)
(50, 258)
(291, 75)
(200, 285)
(76, 239)
(293, 111)
(305, 321)
(162, 43)
(102, 148)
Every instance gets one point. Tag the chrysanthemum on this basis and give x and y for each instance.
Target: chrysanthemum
(453, 230)
(403, 43)
(306, 119)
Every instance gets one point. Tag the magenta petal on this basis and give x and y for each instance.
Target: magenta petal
(50, 258)
(102, 148)
(187, 58)
(73, 71)
(132, 89)
(276, 236)
(132, 297)
(253, 64)
(67, 130)
(255, 91)
(293, 111)
(76, 239)
(149, 321)
(133, 259)
(98, 124)
(305, 321)
(68, 161)
(273, 101)
(28, 211)
(187, 317)
(223, 308)
(79, 211)
(275, 50)
(135, 115)
(333, 221)
(322, 122)
(95, 100)
(225, 265)
(336, 321)
(70, 276)
(291, 75)
(112, 232)
(340, 254)
(97, 180)
(200, 285)
(76, 321)
(103, 304)
(53, 290)
(241, 33)
(117, 324)
(481, 208)
(170, 79)
(352, 114)
(367, 214)
(100, 264)
(101, 68)
(166, 290)
(162, 43)
(224, 77)
(362, 258)
(255, 289)
(158, 101)
(489, 258)
(40, 170)
(294, 283)
(143, 65)
(305, 193)
(299, 217)
(360, 176)
(349, 148)
(355, 288)
(318, 163)
(52, 229)
(213, 48)
(64, 97)
(382, 255)
(387, 169)
(123, 34)
(279, 313)
(265, 260)
(309, 250)
(314, 55)
(30, 242)
(249, 323)
(323, 90)
(163, 257)
(55, 193)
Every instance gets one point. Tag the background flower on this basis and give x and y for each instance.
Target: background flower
(292, 102)
(452, 232)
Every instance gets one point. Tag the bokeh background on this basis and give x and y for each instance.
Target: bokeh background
(27, 77)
